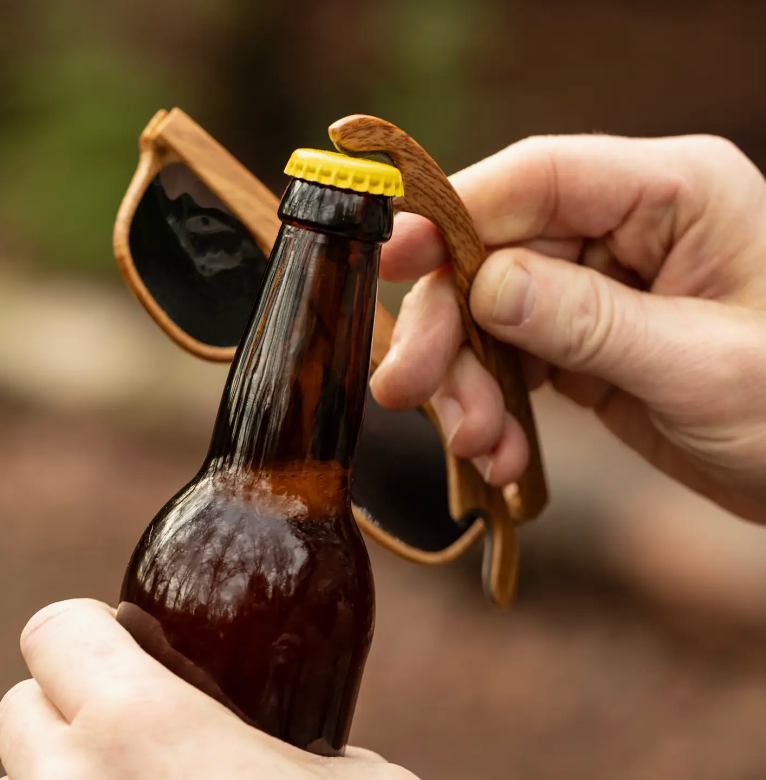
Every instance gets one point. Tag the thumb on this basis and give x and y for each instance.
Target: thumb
(582, 321)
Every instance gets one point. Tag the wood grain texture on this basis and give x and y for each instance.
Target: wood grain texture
(251, 202)
(175, 137)
(153, 158)
(428, 192)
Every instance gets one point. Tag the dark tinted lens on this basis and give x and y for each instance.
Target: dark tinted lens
(197, 260)
(400, 479)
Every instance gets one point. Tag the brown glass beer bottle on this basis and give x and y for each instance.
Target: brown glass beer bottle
(253, 582)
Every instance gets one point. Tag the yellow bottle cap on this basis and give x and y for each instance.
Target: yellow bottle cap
(347, 173)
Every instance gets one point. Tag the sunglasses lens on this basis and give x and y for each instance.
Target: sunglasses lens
(198, 261)
(400, 479)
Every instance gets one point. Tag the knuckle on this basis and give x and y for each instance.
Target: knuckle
(479, 434)
(717, 145)
(483, 418)
(534, 145)
(718, 156)
(539, 152)
(409, 301)
(476, 436)
(590, 323)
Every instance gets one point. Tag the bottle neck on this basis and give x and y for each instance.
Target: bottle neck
(294, 399)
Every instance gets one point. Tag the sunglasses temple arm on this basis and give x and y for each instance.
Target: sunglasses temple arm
(429, 193)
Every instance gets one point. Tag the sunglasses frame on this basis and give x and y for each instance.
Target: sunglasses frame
(173, 137)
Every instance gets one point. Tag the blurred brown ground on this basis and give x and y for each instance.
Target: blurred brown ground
(635, 649)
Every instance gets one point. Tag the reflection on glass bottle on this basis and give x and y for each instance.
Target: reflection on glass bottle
(253, 582)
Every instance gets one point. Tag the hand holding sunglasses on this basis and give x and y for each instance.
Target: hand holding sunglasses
(192, 240)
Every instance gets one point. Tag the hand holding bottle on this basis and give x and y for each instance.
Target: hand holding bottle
(99, 708)
(631, 272)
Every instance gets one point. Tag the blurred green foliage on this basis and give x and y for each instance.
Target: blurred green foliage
(68, 164)
(77, 93)
(72, 111)
(428, 80)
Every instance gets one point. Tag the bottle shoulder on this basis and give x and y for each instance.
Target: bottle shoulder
(206, 511)
(223, 544)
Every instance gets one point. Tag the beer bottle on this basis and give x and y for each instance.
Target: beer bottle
(253, 582)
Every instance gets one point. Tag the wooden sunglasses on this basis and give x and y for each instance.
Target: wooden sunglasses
(192, 240)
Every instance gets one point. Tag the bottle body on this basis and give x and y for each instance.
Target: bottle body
(253, 583)
(271, 614)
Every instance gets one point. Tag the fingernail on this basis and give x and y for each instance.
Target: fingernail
(515, 298)
(484, 465)
(450, 414)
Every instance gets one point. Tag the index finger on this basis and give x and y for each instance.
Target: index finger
(77, 650)
(557, 187)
